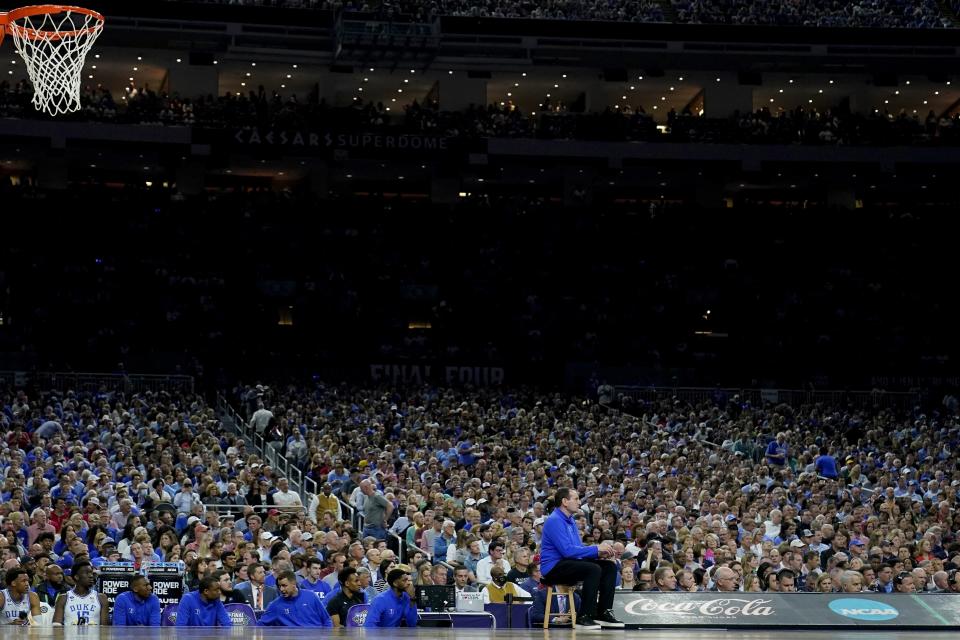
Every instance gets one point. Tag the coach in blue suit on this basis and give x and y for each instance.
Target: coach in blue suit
(564, 559)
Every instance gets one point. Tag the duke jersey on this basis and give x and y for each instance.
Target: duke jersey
(81, 610)
(12, 609)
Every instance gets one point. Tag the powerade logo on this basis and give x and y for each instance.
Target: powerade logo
(861, 609)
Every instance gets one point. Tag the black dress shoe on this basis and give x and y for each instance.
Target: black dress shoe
(586, 622)
(607, 620)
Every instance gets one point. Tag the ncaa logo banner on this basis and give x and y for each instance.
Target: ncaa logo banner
(863, 609)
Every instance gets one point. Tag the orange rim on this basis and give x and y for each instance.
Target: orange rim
(9, 19)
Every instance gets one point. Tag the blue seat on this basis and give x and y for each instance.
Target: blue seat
(241, 615)
(168, 617)
(357, 615)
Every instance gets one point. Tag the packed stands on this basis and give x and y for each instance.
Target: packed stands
(888, 14)
(896, 14)
(695, 485)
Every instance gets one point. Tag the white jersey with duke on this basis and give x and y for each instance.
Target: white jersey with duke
(81, 610)
(12, 609)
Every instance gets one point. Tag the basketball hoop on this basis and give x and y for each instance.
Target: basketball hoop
(53, 41)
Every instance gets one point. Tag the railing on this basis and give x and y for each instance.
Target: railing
(354, 516)
(302, 484)
(759, 397)
(93, 382)
(262, 509)
(401, 546)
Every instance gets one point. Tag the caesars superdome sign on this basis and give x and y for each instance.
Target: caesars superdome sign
(321, 140)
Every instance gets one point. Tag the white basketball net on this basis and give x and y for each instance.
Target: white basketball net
(54, 47)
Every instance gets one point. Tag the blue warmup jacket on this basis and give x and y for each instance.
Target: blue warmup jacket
(387, 610)
(561, 541)
(193, 611)
(132, 611)
(305, 610)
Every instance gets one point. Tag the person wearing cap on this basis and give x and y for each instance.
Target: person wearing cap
(108, 553)
(856, 548)
(394, 607)
(295, 607)
(265, 545)
(564, 559)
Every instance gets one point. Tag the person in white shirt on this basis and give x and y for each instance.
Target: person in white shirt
(495, 557)
(284, 497)
(260, 418)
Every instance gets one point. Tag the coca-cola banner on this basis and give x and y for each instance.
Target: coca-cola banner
(716, 609)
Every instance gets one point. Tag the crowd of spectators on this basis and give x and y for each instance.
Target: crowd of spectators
(419, 11)
(551, 121)
(866, 498)
(899, 14)
(717, 494)
(809, 13)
